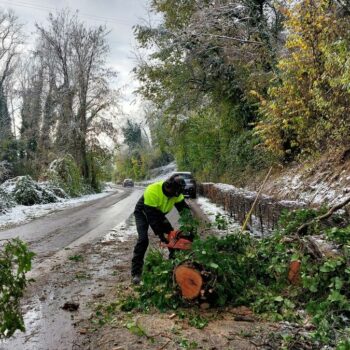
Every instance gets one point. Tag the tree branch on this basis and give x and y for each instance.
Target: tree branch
(302, 230)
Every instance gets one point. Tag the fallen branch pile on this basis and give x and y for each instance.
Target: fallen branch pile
(274, 275)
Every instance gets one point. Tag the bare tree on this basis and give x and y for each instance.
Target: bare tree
(91, 80)
(10, 41)
(78, 82)
(57, 49)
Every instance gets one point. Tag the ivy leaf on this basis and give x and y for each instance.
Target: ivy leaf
(338, 283)
(335, 296)
(213, 265)
(313, 288)
(330, 265)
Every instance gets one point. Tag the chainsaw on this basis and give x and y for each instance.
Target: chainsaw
(179, 240)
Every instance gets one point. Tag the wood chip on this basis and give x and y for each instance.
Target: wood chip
(70, 306)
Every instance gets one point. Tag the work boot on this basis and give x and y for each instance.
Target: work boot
(136, 279)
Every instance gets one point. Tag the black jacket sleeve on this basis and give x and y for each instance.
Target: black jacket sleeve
(181, 206)
(157, 220)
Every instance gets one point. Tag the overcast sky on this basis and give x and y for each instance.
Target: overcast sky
(118, 15)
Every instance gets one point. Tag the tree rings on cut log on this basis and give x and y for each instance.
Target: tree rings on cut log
(189, 280)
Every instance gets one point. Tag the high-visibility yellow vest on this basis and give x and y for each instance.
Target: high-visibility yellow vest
(154, 197)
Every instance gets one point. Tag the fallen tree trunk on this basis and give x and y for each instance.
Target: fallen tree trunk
(189, 280)
(195, 283)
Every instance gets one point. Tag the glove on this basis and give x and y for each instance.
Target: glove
(164, 237)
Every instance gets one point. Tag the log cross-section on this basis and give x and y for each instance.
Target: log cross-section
(189, 280)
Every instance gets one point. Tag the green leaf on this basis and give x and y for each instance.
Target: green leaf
(213, 265)
(335, 296)
(338, 283)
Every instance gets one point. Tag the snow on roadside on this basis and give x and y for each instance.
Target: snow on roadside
(22, 214)
(220, 220)
(120, 233)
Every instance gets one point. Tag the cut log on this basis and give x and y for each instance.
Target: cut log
(189, 280)
(294, 272)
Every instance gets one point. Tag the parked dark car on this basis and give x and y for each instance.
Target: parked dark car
(191, 185)
(128, 183)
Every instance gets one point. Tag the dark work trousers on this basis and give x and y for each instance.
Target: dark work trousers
(140, 249)
(142, 226)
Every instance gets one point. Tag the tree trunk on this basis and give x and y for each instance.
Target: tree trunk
(5, 119)
(80, 148)
(189, 280)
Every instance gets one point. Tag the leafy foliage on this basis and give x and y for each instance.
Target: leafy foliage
(207, 59)
(5, 171)
(140, 157)
(254, 272)
(11, 155)
(25, 191)
(340, 235)
(307, 105)
(6, 200)
(210, 63)
(132, 134)
(100, 164)
(65, 173)
(15, 261)
(226, 257)
(188, 223)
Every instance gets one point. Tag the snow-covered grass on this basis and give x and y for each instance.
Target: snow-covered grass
(21, 214)
(317, 189)
(220, 220)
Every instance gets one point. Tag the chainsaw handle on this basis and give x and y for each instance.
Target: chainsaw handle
(175, 241)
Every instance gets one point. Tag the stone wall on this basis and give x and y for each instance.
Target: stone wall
(238, 202)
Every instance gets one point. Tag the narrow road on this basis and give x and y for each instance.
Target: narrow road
(102, 265)
(54, 238)
(74, 226)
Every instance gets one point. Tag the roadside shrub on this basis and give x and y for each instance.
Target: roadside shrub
(246, 153)
(25, 191)
(100, 163)
(6, 201)
(5, 171)
(15, 261)
(65, 173)
(56, 190)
